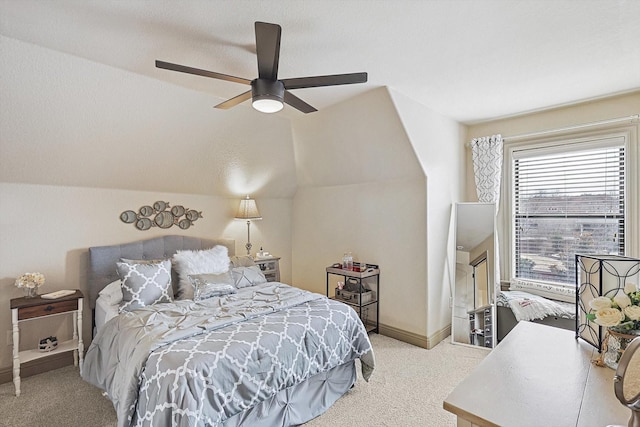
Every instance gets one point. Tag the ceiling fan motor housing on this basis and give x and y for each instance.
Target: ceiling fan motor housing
(267, 89)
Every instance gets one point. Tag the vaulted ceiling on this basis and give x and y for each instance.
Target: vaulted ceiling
(469, 60)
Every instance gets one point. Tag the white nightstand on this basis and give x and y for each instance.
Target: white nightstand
(270, 267)
(24, 309)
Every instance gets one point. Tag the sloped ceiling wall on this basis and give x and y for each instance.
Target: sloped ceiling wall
(80, 142)
(437, 142)
(356, 141)
(361, 189)
(68, 121)
(377, 176)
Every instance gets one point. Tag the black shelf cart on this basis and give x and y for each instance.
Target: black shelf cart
(366, 299)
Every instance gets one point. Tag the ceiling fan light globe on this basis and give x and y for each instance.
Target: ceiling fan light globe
(267, 104)
(267, 95)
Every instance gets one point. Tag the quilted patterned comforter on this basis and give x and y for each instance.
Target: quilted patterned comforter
(199, 363)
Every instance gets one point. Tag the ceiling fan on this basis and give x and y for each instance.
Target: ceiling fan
(267, 92)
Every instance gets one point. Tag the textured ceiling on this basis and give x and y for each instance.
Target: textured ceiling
(469, 60)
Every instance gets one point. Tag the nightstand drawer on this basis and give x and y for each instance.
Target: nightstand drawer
(53, 307)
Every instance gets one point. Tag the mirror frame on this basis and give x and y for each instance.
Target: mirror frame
(490, 269)
(632, 403)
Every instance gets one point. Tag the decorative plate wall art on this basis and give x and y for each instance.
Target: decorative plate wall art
(161, 215)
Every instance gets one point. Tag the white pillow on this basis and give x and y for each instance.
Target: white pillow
(112, 293)
(248, 276)
(546, 290)
(206, 261)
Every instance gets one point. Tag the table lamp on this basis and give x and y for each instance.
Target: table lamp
(248, 210)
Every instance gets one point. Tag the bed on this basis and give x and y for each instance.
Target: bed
(537, 302)
(261, 354)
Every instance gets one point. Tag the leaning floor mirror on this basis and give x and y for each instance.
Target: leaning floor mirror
(473, 308)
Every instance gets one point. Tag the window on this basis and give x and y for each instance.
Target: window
(566, 198)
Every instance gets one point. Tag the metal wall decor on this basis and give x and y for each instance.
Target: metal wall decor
(161, 215)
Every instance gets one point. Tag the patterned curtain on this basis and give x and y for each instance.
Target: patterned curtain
(487, 167)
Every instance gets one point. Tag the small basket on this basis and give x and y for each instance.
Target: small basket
(355, 297)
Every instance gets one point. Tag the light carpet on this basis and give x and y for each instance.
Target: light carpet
(406, 389)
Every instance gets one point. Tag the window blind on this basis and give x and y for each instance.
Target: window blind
(567, 201)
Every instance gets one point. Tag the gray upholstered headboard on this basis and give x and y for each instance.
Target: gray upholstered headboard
(102, 259)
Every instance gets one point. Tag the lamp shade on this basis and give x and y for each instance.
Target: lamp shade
(248, 209)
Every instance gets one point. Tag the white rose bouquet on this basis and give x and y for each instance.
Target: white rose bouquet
(621, 311)
(30, 280)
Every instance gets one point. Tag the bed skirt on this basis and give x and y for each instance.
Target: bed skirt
(291, 407)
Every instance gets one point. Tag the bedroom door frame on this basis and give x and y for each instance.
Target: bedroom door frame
(483, 259)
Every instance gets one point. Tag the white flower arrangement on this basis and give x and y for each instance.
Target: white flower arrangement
(621, 311)
(30, 280)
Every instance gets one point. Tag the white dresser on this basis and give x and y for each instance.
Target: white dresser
(538, 376)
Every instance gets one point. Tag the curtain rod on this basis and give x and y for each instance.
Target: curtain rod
(630, 119)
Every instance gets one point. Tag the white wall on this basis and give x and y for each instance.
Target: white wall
(381, 223)
(556, 118)
(361, 189)
(49, 229)
(81, 142)
(574, 115)
(438, 145)
(377, 176)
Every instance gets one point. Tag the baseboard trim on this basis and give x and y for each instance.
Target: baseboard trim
(413, 338)
(439, 336)
(38, 366)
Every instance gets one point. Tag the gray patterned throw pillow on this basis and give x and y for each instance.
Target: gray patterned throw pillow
(248, 276)
(211, 285)
(144, 284)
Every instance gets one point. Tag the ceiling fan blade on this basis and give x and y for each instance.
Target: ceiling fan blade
(297, 103)
(332, 80)
(268, 49)
(199, 72)
(234, 101)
